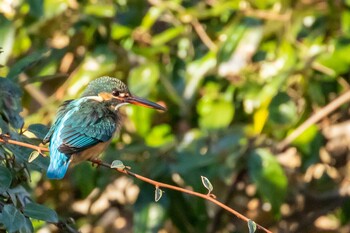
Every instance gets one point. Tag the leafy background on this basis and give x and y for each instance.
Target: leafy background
(236, 76)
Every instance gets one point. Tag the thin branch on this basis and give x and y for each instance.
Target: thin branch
(187, 18)
(203, 35)
(210, 198)
(336, 103)
(168, 186)
(6, 139)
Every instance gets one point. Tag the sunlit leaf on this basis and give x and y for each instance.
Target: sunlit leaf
(143, 79)
(337, 59)
(150, 18)
(160, 135)
(216, 110)
(119, 31)
(195, 72)
(167, 35)
(100, 10)
(7, 30)
(246, 47)
(282, 110)
(22, 43)
(158, 194)
(35, 154)
(251, 226)
(260, 116)
(54, 7)
(269, 177)
(141, 118)
(117, 164)
(206, 183)
(215, 114)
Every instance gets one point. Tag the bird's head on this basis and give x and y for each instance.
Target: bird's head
(115, 92)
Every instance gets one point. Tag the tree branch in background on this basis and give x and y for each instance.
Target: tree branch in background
(209, 197)
(336, 103)
(203, 35)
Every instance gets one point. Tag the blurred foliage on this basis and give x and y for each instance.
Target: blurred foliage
(237, 77)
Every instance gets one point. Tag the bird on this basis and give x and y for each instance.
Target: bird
(84, 127)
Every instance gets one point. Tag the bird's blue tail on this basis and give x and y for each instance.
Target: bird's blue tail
(59, 163)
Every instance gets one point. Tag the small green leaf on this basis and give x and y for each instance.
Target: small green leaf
(35, 154)
(282, 110)
(158, 194)
(143, 79)
(150, 18)
(5, 179)
(7, 39)
(269, 177)
(117, 164)
(167, 35)
(100, 10)
(40, 212)
(160, 135)
(207, 184)
(39, 130)
(119, 31)
(25, 62)
(12, 219)
(36, 8)
(251, 226)
(215, 108)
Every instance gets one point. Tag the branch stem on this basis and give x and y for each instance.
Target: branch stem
(5, 139)
(323, 112)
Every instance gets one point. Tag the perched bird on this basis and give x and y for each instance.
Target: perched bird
(84, 127)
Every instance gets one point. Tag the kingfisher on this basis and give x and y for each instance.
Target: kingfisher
(85, 126)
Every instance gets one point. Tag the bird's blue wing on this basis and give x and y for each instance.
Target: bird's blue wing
(59, 116)
(80, 125)
(90, 124)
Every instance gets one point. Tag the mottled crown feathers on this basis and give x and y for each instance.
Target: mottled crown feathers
(105, 84)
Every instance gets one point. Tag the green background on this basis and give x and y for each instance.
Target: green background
(237, 78)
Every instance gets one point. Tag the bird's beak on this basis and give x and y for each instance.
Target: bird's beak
(143, 102)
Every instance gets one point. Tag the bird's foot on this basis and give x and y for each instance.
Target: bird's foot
(4, 136)
(96, 162)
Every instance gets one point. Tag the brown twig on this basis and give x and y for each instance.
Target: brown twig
(203, 35)
(187, 18)
(336, 103)
(210, 198)
(6, 139)
(168, 186)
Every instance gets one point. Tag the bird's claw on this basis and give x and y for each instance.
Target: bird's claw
(96, 162)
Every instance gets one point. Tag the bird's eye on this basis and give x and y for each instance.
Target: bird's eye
(115, 93)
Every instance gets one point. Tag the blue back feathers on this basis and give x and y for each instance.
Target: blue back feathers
(80, 124)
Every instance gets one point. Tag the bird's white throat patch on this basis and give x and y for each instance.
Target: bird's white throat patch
(119, 105)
